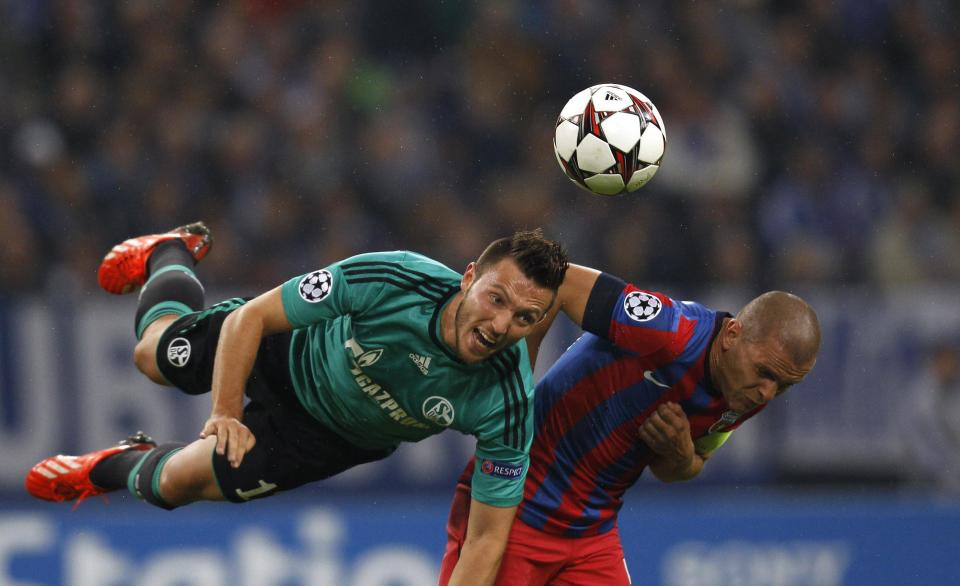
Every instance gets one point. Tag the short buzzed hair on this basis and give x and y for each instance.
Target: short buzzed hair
(542, 261)
(785, 317)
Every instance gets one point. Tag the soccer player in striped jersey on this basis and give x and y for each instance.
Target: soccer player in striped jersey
(653, 383)
(340, 365)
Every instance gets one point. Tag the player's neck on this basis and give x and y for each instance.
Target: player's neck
(713, 357)
(448, 321)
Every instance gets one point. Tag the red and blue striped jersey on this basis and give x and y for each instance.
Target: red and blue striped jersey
(640, 349)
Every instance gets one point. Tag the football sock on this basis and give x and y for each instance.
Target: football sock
(143, 481)
(111, 472)
(171, 288)
(136, 470)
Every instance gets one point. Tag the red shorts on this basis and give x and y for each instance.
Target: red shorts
(534, 557)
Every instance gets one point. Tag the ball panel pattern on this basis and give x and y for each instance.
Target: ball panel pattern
(593, 155)
(605, 184)
(566, 139)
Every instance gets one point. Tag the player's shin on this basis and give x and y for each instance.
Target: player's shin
(171, 289)
(136, 470)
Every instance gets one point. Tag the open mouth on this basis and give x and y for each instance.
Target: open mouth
(484, 340)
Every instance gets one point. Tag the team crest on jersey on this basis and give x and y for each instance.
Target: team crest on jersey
(178, 352)
(641, 306)
(316, 286)
(501, 469)
(438, 410)
(728, 418)
(369, 357)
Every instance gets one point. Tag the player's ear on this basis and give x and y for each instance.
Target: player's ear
(468, 276)
(730, 332)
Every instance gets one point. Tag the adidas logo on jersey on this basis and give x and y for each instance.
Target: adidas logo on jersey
(422, 362)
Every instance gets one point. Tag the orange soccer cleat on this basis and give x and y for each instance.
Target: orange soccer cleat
(124, 269)
(66, 478)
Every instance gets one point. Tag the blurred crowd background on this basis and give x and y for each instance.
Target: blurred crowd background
(809, 142)
(811, 146)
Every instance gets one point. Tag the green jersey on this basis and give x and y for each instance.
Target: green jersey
(367, 360)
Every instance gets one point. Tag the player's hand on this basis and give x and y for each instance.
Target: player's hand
(234, 439)
(667, 432)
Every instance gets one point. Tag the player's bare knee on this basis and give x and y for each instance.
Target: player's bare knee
(176, 488)
(145, 352)
(145, 359)
(188, 475)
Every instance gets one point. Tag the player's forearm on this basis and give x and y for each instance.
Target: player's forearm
(673, 471)
(236, 353)
(479, 562)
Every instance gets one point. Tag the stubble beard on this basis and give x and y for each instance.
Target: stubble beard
(458, 321)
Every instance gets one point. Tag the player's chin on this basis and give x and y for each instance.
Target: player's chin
(478, 349)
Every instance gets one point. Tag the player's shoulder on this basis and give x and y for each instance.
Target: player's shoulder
(513, 361)
(400, 260)
(508, 372)
(691, 309)
(498, 398)
(650, 308)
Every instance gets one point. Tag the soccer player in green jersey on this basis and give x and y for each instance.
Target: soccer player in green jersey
(339, 365)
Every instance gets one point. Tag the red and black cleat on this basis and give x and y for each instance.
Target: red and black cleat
(66, 478)
(124, 269)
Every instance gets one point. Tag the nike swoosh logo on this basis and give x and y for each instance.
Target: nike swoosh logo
(648, 374)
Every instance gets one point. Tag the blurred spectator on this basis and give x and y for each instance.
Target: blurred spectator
(914, 243)
(710, 150)
(18, 271)
(931, 421)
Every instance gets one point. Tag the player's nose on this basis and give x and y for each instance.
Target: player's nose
(500, 322)
(768, 390)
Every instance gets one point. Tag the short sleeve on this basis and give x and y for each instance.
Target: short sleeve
(633, 319)
(504, 437)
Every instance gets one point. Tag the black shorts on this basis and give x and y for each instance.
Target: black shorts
(292, 447)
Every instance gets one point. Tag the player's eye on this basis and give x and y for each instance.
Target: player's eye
(526, 319)
(495, 299)
(783, 388)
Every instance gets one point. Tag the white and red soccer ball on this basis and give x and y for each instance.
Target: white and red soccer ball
(609, 139)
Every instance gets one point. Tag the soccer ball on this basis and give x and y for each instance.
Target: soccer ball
(609, 139)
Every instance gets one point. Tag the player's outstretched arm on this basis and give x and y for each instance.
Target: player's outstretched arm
(667, 432)
(488, 528)
(236, 353)
(571, 299)
(575, 292)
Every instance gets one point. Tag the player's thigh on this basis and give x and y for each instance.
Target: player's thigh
(291, 449)
(597, 561)
(613, 574)
(531, 557)
(186, 349)
(521, 567)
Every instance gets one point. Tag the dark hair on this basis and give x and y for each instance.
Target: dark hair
(541, 260)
